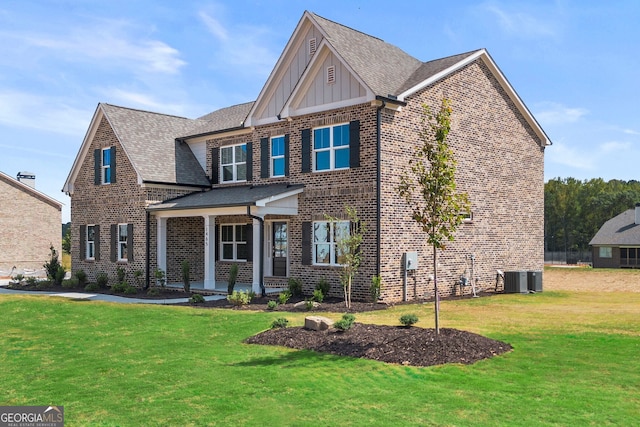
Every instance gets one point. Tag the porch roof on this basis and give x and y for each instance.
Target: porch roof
(229, 197)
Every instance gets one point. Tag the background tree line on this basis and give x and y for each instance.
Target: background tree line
(575, 210)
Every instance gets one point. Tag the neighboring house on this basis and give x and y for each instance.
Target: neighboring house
(30, 223)
(617, 243)
(335, 123)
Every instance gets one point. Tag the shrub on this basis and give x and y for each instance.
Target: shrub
(308, 304)
(196, 299)
(271, 305)
(317, 296)
(91, 287)
(295, 287)
(82, 277)
(102, 280)
(160, 277)
(283, 297)
(345, 323)
(130, 290)
(238, 298)
(70, 283)
(324, 287)
(53, 265)
(233, 275)
(154, 292)
(138, 276)
(280, 322)
(121, 274)
(18, 278)
(408, 319)
(43, 284)
(32, 281)
(59, 277)
(376, 288)
(186, 275)
(119, 288)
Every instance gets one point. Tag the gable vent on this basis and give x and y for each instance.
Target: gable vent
(312, 46)
(331, 74)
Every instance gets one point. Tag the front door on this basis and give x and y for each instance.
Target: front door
(280, 249)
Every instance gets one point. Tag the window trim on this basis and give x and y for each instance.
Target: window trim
(234, 164)
(235, 242)
(272, 158)
(122, 253)
(90, 243)
(104, 167)
(332, 149)
(332, 243)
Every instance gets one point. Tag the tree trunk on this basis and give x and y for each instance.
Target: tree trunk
(435, 289)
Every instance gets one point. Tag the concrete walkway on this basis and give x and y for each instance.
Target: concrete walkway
(81, 296)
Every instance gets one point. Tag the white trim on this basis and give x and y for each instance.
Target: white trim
(121, 256)
(264, 202)
(280, 156)
(86, 256)
(235, 242)
(234, 164)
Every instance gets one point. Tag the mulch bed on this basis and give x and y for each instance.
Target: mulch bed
(165, 293)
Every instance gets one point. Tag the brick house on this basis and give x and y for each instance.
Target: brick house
(334, 124)
(31, 222)
(617, 243)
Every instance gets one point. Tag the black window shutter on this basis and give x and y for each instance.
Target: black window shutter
(354, 144)
(217, 242)
(264, 158)
(97, 166)
(286, 155)
(249, 161)
(249, 234)
(83, 242)
(114, 242)
(96, 242)
(113, 164)
(306, 150)
(215, 165)
(130, 242)
(306, 243)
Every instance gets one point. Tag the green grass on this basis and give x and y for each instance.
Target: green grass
(575, 362)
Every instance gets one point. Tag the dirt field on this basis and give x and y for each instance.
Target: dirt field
(590, 279)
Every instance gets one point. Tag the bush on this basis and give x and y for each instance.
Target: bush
(376, 288)
(271, 305)
(295, 287)
(70, 283)
(59, 277)
(324, 287)
(18, 278)
(252, 295)
(345, 323)
(130, 290)
(32, 281)
(138, 276)
(408, 319)
(238, 298)
(102, 280)
(283, 297)
(154, 292)
(53, 265)
(308, 304)
(280, 322)
(91, 287)
(196, 299)
(233, 276)
(186, 275)
(160, 277)
(43, 285)
(121, 274)
(317, 296)
(82, 277)
(120, 288)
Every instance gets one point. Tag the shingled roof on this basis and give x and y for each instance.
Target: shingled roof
(222, 119)
(620, 230)
(149, 140)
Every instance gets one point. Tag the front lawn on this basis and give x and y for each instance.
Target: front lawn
(574, 363)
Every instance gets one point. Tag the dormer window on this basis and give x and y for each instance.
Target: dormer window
(233, 163)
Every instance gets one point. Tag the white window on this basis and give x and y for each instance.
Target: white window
(233, 242)
(91, 242)
(605, 252)
(277, 156)
(325, 236)
(331, 148)
(106, 166)
(122, 242)
(233, 163)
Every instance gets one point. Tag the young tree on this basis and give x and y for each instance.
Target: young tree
(348, 239)
(429, 188)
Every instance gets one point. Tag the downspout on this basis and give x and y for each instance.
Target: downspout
(378, 185)
(261, 261)
(147, 249)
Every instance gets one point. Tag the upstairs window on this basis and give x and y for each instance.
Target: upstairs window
(277, 156)
(326, 234)
(233, 163)
(233, 242)
(331, 148)
(104, 165)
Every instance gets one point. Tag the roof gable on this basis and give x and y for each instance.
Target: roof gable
(620, 230)
(30, 191)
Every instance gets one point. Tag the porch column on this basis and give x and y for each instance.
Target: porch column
(258, 260)
(161, 244)
(209, 252)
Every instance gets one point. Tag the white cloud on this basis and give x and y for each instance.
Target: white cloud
(142, 101)
(630, 132)
(26, 110)
(551, 113)
(214, 26)
(565, 155)
(520, 23)
(615, 147)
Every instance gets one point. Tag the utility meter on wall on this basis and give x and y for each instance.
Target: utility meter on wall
(411, 261)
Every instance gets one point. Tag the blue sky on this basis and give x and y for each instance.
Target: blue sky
(574, 64)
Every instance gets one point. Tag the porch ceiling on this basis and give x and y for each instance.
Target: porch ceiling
(237, 200)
